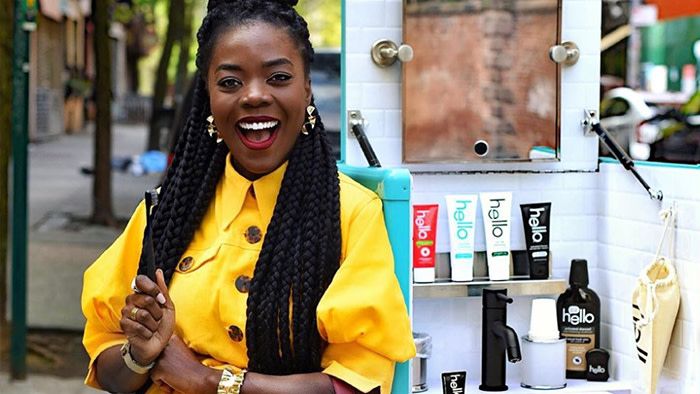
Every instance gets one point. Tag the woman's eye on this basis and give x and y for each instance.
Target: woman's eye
(280, 77)
(229, 83)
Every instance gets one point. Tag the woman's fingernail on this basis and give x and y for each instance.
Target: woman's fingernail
(161, 298)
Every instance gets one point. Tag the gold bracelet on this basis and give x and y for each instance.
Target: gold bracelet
(230, 382)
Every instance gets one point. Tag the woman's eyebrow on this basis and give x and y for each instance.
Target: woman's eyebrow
(228, 67)
(277, 62)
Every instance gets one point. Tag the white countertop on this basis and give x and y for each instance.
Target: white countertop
(572, 386)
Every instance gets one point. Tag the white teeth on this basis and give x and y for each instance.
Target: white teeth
(258, 125)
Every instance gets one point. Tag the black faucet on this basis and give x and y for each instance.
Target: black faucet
(497, 339)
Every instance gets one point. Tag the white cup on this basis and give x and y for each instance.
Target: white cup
(543, 320)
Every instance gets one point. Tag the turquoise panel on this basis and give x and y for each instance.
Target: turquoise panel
(393, 186)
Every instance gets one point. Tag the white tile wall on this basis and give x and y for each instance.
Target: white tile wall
(603, 216)
(629, 229)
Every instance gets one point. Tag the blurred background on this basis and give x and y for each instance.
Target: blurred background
(107, 84)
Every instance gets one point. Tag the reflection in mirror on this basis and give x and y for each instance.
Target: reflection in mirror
(481, 71)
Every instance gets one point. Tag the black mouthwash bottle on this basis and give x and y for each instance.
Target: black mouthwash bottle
(578, 316)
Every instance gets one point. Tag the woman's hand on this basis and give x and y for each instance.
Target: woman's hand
(148, 318)
(180, 369)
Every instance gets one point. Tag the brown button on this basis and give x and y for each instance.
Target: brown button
(235, 333)
(243, 283)
(253, 234)
(186, 263)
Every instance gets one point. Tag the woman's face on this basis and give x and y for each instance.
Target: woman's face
(258, 93)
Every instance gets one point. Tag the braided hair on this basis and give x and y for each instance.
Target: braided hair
(301, 250)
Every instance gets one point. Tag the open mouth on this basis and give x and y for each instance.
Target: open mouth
(258, 132)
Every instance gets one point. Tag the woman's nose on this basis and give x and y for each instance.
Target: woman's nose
(255, 95)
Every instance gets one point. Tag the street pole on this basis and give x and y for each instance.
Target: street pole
(24, 23)
(634, 50)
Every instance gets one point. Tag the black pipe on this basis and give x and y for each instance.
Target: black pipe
(624, 159)
(366, 147)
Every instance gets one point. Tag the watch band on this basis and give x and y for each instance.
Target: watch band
(230, 382)
(131, 363)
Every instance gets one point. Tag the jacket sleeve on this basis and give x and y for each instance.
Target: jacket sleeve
(362, 315)
(106, 283)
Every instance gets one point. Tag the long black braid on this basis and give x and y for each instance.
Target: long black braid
(301, 251)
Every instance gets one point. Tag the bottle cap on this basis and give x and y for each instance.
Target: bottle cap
(578, 275)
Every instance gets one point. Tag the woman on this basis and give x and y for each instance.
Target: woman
(268, 260)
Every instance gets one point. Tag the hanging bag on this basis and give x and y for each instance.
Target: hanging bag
(654, 308)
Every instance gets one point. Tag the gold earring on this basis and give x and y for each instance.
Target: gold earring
(310, 120)
(211, 129)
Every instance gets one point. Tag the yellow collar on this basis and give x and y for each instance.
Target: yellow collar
(235, 187)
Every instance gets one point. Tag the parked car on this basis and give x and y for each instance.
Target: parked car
(325, 84)
(679, 134)
(624, 114)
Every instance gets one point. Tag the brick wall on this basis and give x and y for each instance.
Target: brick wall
(479, 74)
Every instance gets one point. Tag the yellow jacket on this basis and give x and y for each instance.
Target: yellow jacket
(362, 314)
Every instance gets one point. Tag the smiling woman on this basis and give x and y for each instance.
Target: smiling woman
(258, 89)
(269, 261)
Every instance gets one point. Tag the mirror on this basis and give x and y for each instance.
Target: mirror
(480, 80)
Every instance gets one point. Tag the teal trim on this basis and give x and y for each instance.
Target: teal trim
(655, 164)
(393, 186)
(544, 149)
(388, 183)
(343, 85)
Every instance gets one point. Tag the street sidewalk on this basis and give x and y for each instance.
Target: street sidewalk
(61, 242)
(41, 384)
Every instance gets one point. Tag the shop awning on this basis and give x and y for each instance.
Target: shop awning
(669, 9)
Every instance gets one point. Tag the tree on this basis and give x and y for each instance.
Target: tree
(102, 212)
(6, 23)
(182, 74)
(176, 26)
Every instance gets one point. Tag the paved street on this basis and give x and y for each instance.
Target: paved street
(38, 384)
(62, 244)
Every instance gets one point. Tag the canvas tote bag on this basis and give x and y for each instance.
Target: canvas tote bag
(655, 305)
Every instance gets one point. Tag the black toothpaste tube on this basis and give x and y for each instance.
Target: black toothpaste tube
(536, 224)
(454, 382)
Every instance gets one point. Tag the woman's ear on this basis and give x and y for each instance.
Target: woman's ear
(307, 91)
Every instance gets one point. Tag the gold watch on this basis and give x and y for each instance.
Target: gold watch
(131, 363)
(230, 382)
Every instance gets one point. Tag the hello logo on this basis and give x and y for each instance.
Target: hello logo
(538, 231)
(599, 369)
(498, 225)
(576, 315)
(423, 229)
(463, 225)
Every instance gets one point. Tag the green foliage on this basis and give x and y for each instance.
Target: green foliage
(324, 18)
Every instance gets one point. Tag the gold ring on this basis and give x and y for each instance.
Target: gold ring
(133, 313)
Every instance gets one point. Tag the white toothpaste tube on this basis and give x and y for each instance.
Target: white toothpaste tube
(461, 213)
(495, 208)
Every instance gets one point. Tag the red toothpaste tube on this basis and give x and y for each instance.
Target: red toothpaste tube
(424, 228)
